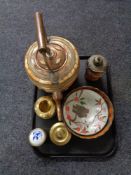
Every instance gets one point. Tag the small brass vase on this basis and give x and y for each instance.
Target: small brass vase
(45, 107)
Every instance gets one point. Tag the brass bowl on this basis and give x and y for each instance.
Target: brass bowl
(45, 107)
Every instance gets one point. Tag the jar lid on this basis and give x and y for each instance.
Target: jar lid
(59, 134)
(97, 63)
(37, 137)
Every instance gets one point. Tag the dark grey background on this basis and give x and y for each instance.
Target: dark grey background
(94, 26)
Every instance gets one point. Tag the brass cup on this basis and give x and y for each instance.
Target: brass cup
(45, 107)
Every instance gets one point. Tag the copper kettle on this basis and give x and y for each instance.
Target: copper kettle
(52, 63)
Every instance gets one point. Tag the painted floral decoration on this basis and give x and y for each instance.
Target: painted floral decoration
(37, 135)
(79, 108)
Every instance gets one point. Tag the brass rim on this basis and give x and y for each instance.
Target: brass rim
(45, 107)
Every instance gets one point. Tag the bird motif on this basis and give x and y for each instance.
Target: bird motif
(81, 111)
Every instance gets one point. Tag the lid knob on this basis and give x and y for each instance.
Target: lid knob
(98, 61)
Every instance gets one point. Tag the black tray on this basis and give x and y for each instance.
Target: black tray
(100, 148)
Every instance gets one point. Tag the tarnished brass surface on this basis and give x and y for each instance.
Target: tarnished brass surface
(53, 60)
(59, 79)
(59, 134)
(45, 107)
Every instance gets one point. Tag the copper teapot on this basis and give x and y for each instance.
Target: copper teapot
(52, 63)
